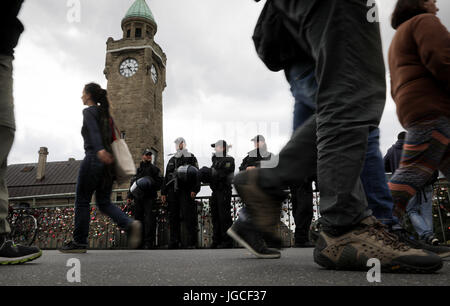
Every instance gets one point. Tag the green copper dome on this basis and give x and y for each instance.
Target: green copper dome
(140, 9)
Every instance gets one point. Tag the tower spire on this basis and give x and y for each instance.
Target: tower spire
(139, 22)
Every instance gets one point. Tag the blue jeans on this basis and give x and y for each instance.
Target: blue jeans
(304, 88)
(419, 210)
(90, 180)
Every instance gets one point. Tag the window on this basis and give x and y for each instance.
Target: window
(128, 33)
(138, 33)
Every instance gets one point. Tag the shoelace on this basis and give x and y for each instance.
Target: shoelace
(379, 230)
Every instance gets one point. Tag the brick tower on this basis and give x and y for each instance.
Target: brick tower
(136, 74)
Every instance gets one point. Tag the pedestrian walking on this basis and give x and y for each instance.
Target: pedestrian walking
(420, 86)
(96, 173)
(10, 31)
(350, 101)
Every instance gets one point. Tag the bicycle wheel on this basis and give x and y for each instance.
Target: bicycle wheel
(24, 230)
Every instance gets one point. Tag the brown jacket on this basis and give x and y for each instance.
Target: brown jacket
(419, 62)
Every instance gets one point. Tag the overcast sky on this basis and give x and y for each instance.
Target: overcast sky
(216, 85)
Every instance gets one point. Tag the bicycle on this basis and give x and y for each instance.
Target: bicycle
(23, 225)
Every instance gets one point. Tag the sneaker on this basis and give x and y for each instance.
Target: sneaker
(431, 240)
(405, 237)
(134, 232)
(73, 247)
(264, 210)
(370, 239)
(245, 234)
(14, 254)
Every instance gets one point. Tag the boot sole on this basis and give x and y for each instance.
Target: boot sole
(21, 260)
(242, 242)
(395, 267)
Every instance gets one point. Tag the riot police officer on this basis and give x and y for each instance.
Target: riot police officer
(254, 157)
(145, 199)
(180, 195)
(222, 170)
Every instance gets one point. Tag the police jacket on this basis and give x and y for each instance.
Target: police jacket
(254, 158)
(150, 170)
(223, 167)
(181, 158)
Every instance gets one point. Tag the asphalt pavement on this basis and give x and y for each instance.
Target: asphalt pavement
(201, 267)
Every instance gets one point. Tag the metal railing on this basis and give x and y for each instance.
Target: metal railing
(55, 223)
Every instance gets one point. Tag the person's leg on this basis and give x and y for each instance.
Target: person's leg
(139, 213)
(374, 181)
(426, 211)
(190, 218)
(103, 199)
(424, 151)
(304, 212)
(87, 181)
(304, 88)
(216, 238)
(153, 219)
(7, 131)
(147, 237)
(225, 216)
(7, 138)
(413, 209)
(174, 218)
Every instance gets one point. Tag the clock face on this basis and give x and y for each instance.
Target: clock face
(129, 67)
(154, 74)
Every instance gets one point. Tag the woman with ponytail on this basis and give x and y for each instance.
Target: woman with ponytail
(96, 173)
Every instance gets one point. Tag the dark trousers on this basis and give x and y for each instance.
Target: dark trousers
(350, 73)
(221, 215)
(302, 210)
(182, 211)
(7, 131)
(145, 211)
(90, 180)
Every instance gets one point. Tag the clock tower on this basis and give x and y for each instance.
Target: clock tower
(136, 74)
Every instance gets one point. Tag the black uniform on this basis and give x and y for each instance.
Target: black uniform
(222, 168)
(180, 201)
(146, 209)
(254, 158)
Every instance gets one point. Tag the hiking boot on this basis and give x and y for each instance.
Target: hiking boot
(246, 235)
(263, 209)
(73, 247)
(407, 238)
(370, 239)
(15, 254)
(134, 232)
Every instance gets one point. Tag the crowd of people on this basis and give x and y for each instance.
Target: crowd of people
(332, 58)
